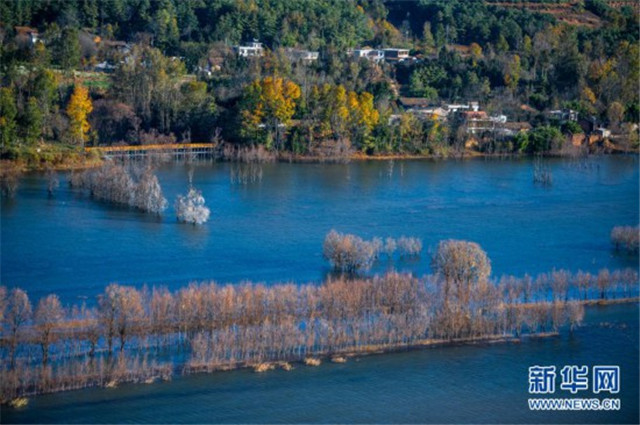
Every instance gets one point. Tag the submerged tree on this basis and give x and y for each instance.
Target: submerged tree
(627, 237)
(48, 314)
(114, 183)
(349, 253)
(462, 267)
(148, 194)
(191, 208)
(18, 313)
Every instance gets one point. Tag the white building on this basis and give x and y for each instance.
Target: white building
(374, 55)
(302, 55)
(564, 115)
(393, 54)
(250, 50)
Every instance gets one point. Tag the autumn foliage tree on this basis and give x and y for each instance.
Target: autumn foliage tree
(268, 105)
(335, 113)
(78, 110)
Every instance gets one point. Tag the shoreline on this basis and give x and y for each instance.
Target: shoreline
(91, 161)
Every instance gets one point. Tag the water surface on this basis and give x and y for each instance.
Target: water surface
(272, 230)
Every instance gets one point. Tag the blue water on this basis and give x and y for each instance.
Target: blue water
(460, 384)
(273, 230)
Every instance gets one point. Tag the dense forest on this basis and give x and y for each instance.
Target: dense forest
(87, 73)
(139, 335)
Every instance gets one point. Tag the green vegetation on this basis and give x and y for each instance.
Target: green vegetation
(165, 70)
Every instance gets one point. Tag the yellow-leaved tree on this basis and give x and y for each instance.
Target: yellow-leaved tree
(268, 104)
(363, 118)
(78, 110)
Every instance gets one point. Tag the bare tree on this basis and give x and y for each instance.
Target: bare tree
(461, 265)
(603, 281)
(48, 314)
(560, 284)
(52, 180)
(107, 309)
(19, 312)
(575, 314)
(148, 194)
(3, 302)
(129, 311)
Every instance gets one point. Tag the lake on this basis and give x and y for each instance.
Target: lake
(272, 230)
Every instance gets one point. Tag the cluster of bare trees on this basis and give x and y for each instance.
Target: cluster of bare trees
(248, 160)
(350, 253)
(9, 179)
(206, 326)
(626, 237)
(542, 172)
(245, 154)
(245, 173)
(132, 186)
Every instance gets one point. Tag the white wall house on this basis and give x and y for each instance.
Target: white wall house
(302, 55)
(250, 50)
(371, 54)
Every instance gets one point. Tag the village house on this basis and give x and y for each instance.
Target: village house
(393, 54)
(26, 34)
(422, 108)
(373, 55)
(511, 128)
(477, 122)
(377, 55)
(252, 49)
(116, 46)
(564, 115)
(302, 55)
(455, 108)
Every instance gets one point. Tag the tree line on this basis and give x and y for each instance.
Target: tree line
(132, 334)
(514, 61)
